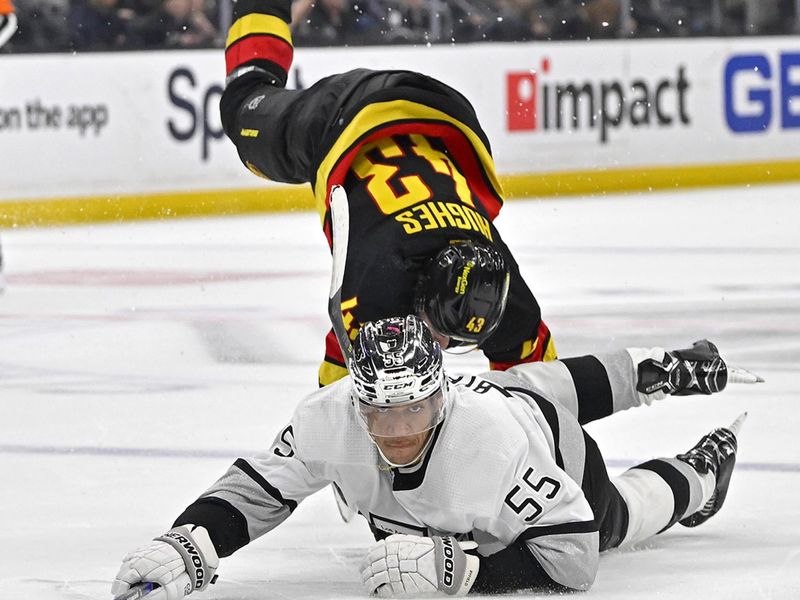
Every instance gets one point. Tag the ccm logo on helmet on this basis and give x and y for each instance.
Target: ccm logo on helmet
(396, 386)
(194, 555)
(447, 551)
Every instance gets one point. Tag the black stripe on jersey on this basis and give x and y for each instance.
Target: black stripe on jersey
(226, 526)
(595, 399)
(334, 361)
(608, 506)
(677, 483)
(538, 531)
(383, 527)
(550, 415)
(337, 490)
(411, 481)
(248, 470)
(513, 568)
(277, 8)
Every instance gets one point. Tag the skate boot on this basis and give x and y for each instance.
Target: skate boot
(695, 370)
(715, 453)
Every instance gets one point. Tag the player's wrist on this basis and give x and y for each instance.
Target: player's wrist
(455, 568)
(252, 72)
(471, 571)
(195, 547)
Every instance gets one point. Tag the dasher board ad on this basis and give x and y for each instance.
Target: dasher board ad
(88, 125)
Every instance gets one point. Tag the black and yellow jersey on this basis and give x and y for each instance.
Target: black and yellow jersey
(411, 155)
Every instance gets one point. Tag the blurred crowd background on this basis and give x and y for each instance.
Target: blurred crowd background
(103, 25)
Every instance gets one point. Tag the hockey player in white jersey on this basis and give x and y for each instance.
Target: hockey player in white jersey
(470, 484)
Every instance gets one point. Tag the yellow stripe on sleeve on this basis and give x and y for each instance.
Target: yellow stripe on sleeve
(328, 373)
(257, 23)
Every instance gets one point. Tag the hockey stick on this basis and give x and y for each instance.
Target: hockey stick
(340, 234)
(140, 590)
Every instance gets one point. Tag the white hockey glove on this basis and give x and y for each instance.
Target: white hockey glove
(408, 565)
(181, 561)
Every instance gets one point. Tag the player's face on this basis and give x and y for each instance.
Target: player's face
(401, 431)
(404, 450)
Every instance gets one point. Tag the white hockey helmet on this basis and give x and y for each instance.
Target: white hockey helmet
(399, 385)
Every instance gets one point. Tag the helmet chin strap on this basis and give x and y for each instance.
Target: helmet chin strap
(462, 349)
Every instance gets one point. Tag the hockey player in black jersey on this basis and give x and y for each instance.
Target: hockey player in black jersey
(418, 171)
(493, 475)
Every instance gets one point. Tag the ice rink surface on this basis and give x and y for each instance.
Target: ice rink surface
(138, 361)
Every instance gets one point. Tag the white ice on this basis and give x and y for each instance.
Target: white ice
(139, 360)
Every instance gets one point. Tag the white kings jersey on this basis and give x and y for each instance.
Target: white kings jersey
(504, 467)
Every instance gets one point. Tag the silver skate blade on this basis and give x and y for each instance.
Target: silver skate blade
(736, 426)
(739, 375)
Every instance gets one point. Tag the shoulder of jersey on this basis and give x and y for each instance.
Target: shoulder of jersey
(485, 427)
(325, 426)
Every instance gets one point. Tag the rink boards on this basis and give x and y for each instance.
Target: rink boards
(137, 135)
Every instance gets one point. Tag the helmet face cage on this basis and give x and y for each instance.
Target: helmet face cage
(464, 292)
(408, 419)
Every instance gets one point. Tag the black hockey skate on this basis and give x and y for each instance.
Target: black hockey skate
(715, 453)
(695, 370)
